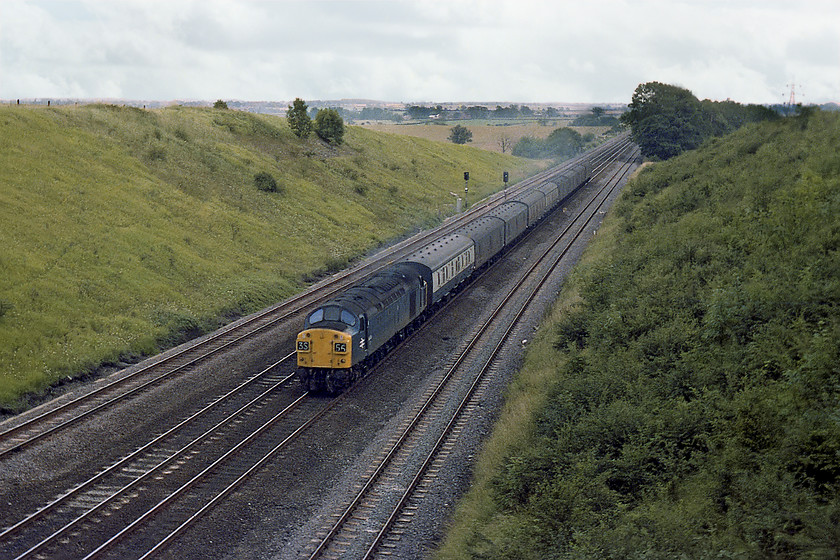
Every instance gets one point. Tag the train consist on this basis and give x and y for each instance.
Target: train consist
(343, 337)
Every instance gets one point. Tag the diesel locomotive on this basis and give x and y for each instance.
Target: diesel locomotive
(343, 337)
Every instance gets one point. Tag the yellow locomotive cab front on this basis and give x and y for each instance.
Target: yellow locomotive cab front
(324, 348)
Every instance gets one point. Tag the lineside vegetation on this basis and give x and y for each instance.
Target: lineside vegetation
(682, 399)
(666, 120)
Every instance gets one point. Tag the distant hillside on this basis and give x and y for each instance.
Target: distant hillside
(682, 399)
(126, 229)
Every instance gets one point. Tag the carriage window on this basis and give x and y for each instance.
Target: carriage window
(317, 316)
(348, 318)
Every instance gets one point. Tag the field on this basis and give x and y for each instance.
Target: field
(126, 230)
(487, 135)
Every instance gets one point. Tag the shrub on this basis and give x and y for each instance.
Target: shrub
(329, 126)
(528, 147)
(156, 153)
(266, 182)
(561, 143)
(460, 135)
(5, 307)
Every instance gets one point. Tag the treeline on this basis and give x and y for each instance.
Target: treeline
(422, 112)
(596, 117)
(370, 114)
(692, 372)
(439, 112)
(667, 120)
(475, 112)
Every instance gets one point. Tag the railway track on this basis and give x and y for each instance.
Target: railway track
(171, 480)
(30, 428)
(371, 523)
(143, 501)
(171, 450)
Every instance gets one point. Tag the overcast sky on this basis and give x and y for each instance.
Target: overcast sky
(420, 50)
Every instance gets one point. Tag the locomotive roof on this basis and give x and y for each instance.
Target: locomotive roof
(378, 289)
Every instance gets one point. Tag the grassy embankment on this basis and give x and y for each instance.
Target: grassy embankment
(682, 398)
(126, 230)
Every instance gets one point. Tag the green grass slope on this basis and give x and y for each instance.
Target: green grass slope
(683, 398)
(124, 230)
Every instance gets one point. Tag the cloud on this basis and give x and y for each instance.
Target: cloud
(435, 50)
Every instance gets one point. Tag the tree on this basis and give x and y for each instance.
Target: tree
(666, 120)
(510, 112)
(329, 126)
(298, 118)
(529, 147)
(563, 142)
(219, 104)
(478, 112)
(419, 112)
(505, 143)
(597, 112)
(460, 134)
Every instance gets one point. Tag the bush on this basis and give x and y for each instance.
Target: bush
(266, 182)
(460, 135)
(5, 307)
(156, 153)
(329, 126)
(561, 143)
(528, 147)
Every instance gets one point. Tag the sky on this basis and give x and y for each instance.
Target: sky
(595, 51)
